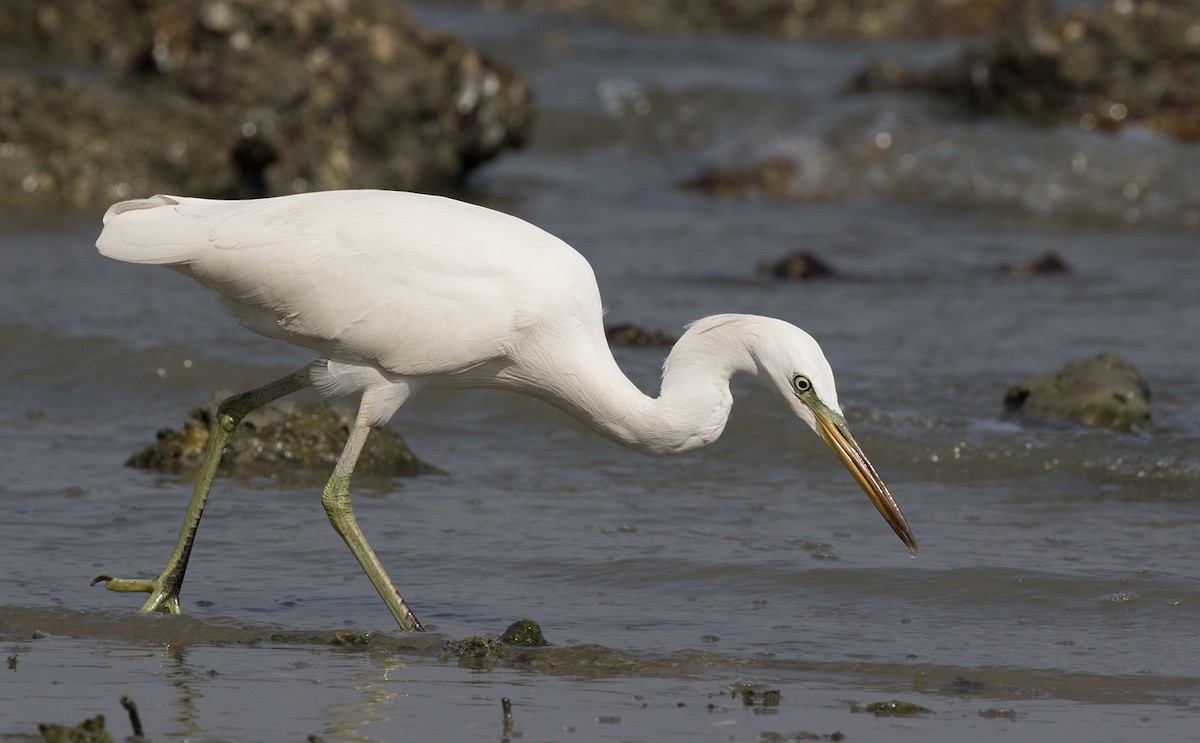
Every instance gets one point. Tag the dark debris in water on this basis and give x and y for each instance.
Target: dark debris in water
(91, 730)
(890, 708)
(799, 735)
(135, 719)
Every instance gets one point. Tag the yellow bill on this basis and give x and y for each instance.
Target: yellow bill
(834, 430)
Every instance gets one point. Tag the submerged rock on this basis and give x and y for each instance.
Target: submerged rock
(241, 98)
(1046, 263)
(1102, 65)
(481, 653)
(799, 266)
(760, 697)
(890, 708)
(91, 730)
(1105, 391)
(478, 653)
(857, 19)
(628, 334)
(307, 436)
(772, 176)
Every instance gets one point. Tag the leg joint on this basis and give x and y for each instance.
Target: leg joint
(336, 499)
(232, 409)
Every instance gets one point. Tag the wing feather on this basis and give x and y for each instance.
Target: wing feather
(414, 284)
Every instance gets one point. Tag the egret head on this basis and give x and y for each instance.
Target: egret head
(793, 363)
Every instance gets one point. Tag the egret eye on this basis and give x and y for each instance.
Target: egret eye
(801, 384)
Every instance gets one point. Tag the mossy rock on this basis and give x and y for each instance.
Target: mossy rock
(1105, 391)
(525, 633)
(91, 730)
(280, 436)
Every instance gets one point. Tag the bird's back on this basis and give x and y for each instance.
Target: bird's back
(412, 283)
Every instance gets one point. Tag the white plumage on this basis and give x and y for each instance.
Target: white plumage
(399, 291)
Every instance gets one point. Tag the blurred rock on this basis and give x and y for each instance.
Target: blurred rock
(278, 438)
(1046, 263)
(1101, 65)
(1104, 392)
(799, 266)
(772, 176)
(91, 730)
(851, 19)
(241, 98)
(66, 144)
(890, 708)
(628, 334)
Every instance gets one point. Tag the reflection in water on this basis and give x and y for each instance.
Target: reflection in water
(184, 678)
(373, 683)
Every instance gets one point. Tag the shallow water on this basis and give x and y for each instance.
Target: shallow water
(1056, 594)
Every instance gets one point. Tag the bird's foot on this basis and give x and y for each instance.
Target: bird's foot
(164, 598)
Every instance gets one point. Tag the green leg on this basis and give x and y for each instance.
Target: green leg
(336, 500)
(164, 590)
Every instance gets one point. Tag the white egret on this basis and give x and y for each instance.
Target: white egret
(398, 292)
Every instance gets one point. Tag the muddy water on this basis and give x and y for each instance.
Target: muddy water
(1056, 594)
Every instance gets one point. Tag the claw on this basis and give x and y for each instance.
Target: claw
(160, 600)
(126, 585)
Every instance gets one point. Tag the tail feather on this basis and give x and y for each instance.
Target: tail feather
(122, 207)
(144, 231)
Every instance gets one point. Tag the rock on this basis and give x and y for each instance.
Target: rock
(817, 175)
(628, 334)
(1102, 392)
(761, 698)
(480, 653)
(476, 653)
(771, 176)
(242, 98)
(279, 437)
(890, 708)
(1102, 65)
(799, 266)
(66, 144)
(1046, 263)
(525, 633)
(849, 19)
(89, 731)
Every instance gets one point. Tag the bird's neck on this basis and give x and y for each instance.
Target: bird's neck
(690, 411)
